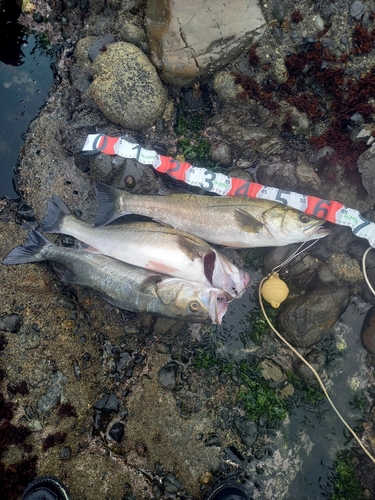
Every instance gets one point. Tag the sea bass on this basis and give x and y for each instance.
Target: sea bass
(154, 247)
(231, 221)
(126, 286)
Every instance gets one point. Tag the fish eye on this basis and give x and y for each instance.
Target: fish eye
(304, 218)
(194, 307)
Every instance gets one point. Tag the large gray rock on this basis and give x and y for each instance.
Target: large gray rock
(126, 87)
(309, 318)
(366, 167)
(191, 39)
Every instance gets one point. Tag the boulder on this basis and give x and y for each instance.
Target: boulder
(366, 167)
(308, 319)
(191, 39)
(126, 87)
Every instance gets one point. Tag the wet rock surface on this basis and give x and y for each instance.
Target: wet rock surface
(117, 72)
(310, 318)
(188, 41)
(116, 404)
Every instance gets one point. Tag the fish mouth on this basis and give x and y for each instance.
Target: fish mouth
(222, 300)
(217, 303)
(317, 231)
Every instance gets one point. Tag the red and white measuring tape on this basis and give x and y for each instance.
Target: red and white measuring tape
(331, 211)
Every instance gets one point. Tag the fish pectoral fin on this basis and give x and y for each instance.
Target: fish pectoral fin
(247, 222)
(114, 303)
(154, 279)
(188, 247)
(70, 277)
(159, 267)
(87, 248)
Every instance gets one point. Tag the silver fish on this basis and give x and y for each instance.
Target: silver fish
(231, 221)
(126, 286)
(149, 245)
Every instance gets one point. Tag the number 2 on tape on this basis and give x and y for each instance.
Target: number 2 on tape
(176, 168)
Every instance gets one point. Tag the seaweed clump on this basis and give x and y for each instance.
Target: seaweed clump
(53, 440)
(347, 96)
(253, 56)
(319, 86)
(363, 41)
(296, 16)
(20, 388)
(66, 410)
(252, 90)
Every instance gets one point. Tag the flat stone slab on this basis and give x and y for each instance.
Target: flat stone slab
(191, 39)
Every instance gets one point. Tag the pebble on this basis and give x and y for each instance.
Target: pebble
(206, 478)
(317, 360)
(70, 4)
(117, 431)
(167, 375)
(76, 370)
(68, 324)
(171, 484)
(212, 441)
(328, 11)
(37, 17)
(129, 181)
(65, 453)
(10, 323)
(279, 10)
(247, 430)
(221, 153)
(194, 100)
(26, 212)
(108, 403)
(163, 348)
(368, 331)
(141, 449)
(357, 9)
(53, 394)
(225, 415)
(344, 40)
(124, 362)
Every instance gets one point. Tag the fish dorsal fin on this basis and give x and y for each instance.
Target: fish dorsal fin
(189, 246)
(247, 222)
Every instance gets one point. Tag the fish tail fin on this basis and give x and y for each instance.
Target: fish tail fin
(56, 212)
(31, 251)
(109, 209)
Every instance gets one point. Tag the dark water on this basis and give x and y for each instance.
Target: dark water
(306, 443)
(25, 78)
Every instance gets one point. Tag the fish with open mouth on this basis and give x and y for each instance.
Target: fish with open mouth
(126, 286)
(152, 246)
(231, 221)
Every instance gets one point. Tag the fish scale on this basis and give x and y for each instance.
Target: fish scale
(151, 246)
(128, 287)
(235, 222)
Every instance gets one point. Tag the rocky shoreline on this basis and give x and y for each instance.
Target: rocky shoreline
(123, 406)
